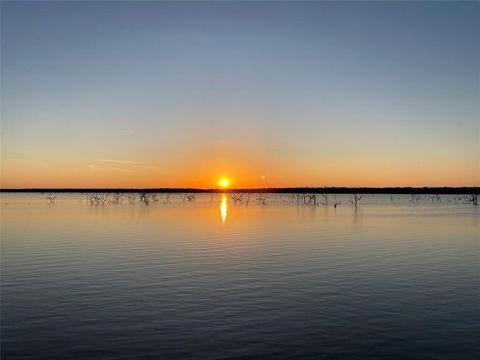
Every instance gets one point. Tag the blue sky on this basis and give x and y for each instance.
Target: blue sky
(301, 93)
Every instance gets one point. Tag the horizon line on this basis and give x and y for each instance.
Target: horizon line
(300, 189)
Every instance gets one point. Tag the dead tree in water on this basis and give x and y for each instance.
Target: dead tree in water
(132, 197)
(237, 198)
(241, 199)
(166, 198)
(325, 199)
(145, 198)
(116, 198)
(311, 199)
(473, 199)
(262, 199)
(335, 202)
(97, 199)
(51, 198)
(415, 197)
(301, 198)
(188, 197)
(287, 198)
(355, 199)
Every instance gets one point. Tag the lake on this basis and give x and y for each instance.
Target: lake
(215, 278)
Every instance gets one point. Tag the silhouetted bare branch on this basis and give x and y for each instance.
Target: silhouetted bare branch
(355, 199)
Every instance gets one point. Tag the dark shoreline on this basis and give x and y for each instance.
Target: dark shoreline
(290, 190)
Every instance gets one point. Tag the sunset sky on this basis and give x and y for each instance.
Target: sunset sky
(266, 94)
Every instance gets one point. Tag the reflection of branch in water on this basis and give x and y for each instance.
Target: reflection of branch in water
(357, 217)
(166, 198)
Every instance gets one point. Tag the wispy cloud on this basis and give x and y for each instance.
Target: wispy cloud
(116, 161)
(119, 165)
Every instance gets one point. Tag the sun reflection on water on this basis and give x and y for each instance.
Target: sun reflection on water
(223, 208)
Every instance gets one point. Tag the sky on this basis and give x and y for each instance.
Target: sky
(266, 94)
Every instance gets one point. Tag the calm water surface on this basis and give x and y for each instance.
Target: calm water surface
(211, 279)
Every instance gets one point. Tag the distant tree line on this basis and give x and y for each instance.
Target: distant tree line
(474, 191)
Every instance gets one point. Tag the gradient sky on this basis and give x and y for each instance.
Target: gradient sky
(163, 94)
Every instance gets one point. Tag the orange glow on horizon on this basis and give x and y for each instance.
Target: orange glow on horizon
(245, 171)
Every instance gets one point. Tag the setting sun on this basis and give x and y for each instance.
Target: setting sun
(224, 182)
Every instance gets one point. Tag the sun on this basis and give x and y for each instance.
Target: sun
(224, 182)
